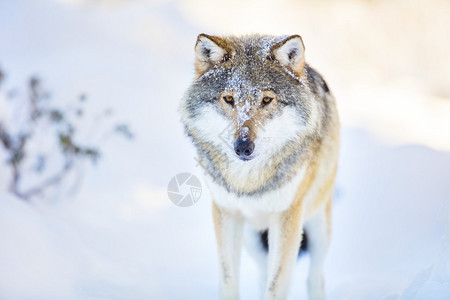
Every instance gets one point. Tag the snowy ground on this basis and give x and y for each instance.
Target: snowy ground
(120, 237)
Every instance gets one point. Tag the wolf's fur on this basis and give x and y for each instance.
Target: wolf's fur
(286, 185)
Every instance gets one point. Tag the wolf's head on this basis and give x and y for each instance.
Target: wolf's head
(251, 101)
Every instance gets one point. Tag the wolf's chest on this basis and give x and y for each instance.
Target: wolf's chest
(257, 206)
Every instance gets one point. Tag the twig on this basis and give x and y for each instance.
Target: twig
(39, 188)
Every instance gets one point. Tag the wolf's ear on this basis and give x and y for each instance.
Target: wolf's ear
(290, 52)
(210, 50)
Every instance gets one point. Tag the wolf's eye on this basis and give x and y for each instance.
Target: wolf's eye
(229, 99)
(266, 100)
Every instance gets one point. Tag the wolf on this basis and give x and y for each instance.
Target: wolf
(271, 179)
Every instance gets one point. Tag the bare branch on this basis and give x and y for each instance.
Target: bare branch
(38, 189)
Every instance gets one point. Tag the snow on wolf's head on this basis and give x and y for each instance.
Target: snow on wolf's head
(251, 99)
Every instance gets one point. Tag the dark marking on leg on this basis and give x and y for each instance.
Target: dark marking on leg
(265, 240)
(264, 236)
(304, 244)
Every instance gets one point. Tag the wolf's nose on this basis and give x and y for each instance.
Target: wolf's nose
(244, 147)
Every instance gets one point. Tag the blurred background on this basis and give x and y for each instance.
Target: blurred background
(84, 212)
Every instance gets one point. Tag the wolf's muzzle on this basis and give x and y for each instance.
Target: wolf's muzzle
(244, 148)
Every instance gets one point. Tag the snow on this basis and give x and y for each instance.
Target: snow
(120, 237)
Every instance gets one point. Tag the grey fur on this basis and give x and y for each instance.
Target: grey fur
(248, 72)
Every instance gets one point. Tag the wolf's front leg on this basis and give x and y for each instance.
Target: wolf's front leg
(228, 226)
(285, 234)
(319, 232)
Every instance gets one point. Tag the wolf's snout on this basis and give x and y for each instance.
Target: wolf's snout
(244, 148)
